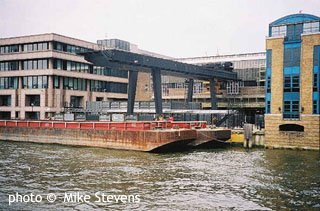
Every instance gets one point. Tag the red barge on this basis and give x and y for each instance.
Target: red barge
(148, 136)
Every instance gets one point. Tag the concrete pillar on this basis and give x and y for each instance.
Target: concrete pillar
(19, 92)
(22, 114)
(50, 64)
(89, 94)
(13, 114)
(132, 86)
(50, 91)
(156, 79)
(50, 45)
(13, 100)
(42, 115)
(43, 99)
(20, 48)
(20, 65)
(213, 95)
(190, 91)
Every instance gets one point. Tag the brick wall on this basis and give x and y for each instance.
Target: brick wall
(309, 139)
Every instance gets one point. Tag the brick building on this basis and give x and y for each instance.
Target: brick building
(292, 82)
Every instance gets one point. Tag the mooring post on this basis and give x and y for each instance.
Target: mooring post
(248, 129)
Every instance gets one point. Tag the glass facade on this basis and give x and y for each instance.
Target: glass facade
(114, 43)
(68, 48)
(35, 82)
(311, 27)
(291, 110)
(9, 49)
(291, 57)
(109, 72)
(250, 71)
(291, 83)
(60, 64)
(74, 84)
(35, 64)
(104, 86)
(9, 82)
(279, 31)
(9, 65)
(293, 32)
(41, 46)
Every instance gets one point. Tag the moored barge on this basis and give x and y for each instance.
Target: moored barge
(148, 136)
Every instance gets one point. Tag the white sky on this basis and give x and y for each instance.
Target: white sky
(178, 28)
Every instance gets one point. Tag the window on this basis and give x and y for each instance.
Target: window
(287, 84)
(9, 65)
(9, 49)
(45, 64)
(294, 32)
(315, 82)
(45, 46)
(316, 55)
(35, 82)
(29, 47)
(40, 64)
(56, 82)
(268, 84)
(8, 82)
(57, 64)
(279, 31)
(104, 86)
(268, 107)
(295, 84)
(315, 107)
(74, 83)
(291, 57)
(291, 83)
(35, 64)
(269, 58)
(68, 65)
(35, 46)
(291, 110)
(108, 72)
(311, 27)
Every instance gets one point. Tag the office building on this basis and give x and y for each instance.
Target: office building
(41, 75)
(292, 82)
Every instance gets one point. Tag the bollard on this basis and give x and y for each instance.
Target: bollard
(248, 128)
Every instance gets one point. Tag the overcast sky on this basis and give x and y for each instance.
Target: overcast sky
(185, 28)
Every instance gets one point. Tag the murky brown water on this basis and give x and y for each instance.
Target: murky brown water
(227, 179)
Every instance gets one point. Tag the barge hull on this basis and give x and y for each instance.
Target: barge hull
(143, 140)
(210, 138)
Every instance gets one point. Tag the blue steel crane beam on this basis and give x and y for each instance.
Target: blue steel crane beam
(169, 67)
(132, 62)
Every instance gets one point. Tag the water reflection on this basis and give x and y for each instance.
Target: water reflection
(223, 178)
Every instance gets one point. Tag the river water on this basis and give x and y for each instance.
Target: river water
(218, 179)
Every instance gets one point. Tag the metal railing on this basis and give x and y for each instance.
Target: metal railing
(119, 126)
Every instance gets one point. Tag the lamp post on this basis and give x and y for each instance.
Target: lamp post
(32, 104)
